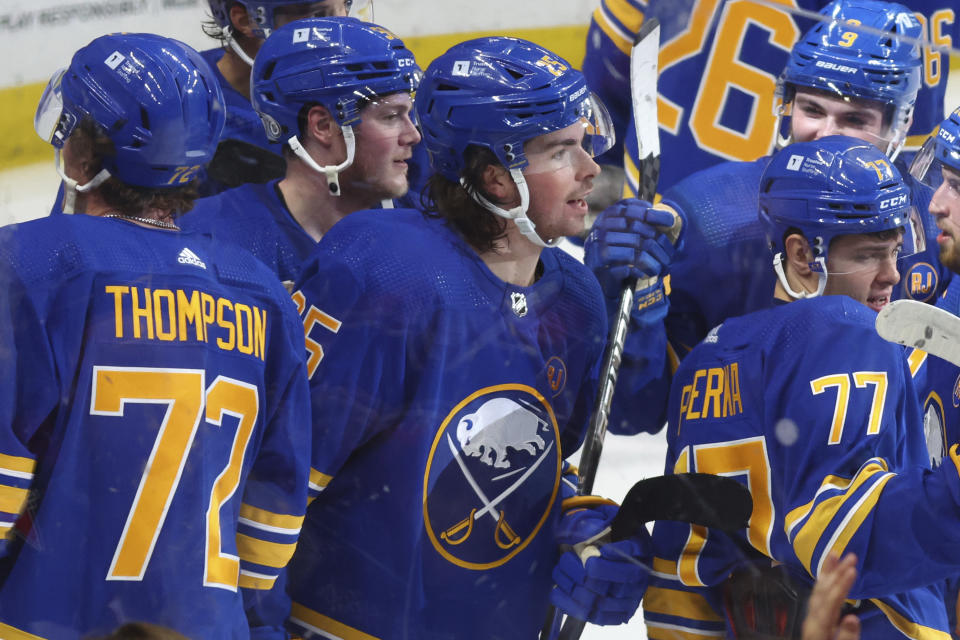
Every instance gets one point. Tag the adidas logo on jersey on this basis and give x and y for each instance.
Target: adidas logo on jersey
(189, 257)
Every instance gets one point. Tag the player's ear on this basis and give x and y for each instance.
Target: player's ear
(321, 126)
(798, 254)
(496, 181)
(240, 20)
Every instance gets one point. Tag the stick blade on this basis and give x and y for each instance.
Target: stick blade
(916, 324)
(698, 498)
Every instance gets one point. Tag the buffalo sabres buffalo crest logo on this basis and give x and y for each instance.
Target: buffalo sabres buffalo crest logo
(492, 476)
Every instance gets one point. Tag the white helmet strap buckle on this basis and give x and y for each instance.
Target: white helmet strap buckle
(332, 172)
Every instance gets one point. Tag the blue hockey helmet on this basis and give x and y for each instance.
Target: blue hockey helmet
(155, 98)
(342, 64)
(830, 187)
(498, 93)
(859, 53)
(263, 13)
(941, 150)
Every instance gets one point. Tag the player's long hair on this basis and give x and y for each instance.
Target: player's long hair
(89, 140)
(449, 200)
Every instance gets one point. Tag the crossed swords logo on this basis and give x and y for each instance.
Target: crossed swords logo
(503, 533)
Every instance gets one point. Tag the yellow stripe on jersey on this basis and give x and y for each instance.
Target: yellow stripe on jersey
(691, 554)
(12, 499)
(621, 40)
(269, 554)
(324, 625)
(810, 533)
(916, 360)
(4, 530)
(318, 480)
(275, 520)
(11, 633)
(673, 602)
(664, 566)
(907, 627)
(798, 514)
(628, 15)
(661, 631)
(17, 464)
(257, 583)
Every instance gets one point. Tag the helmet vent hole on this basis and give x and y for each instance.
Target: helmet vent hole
(268, 72)
(145, 118)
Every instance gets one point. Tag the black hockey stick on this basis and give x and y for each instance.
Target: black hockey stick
(698, 498)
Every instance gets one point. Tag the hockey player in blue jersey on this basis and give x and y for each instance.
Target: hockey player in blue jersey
(819, 417)
(335, 94)
(866, 90)
(245, 154)
(719, 65)
(454, 363)
(154, 410)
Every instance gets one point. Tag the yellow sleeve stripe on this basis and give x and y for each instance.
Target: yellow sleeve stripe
(256, 581)
(324, 626)
(662, 631)
(12, 499)
(907, 627)
(269, 554)
(841, 537)
(12, 633)
(685, 604)
(269, 521)
(17, 466)
(798, 514)
(319, 481)
(916, 360)
(622, 40)
(665, 567)
(629, 16)
(689, 573)
(810, 533)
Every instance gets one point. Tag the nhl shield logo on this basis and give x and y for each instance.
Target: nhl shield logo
(492, 476)
(518, 302)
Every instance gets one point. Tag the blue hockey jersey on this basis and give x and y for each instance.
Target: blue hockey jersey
(719, 64)
(444, 401)
(154, 430)
(254, 217)
(830, 442)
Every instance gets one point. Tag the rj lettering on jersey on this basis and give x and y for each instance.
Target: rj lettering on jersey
(169, 315)
(713, 393)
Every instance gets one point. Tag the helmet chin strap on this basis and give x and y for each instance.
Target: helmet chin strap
(237, 49)
(518, 214)
(71, 187)
(332, 172)
(800, 295)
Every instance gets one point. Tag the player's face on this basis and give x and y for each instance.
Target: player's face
(287, 13)
(863, 267)
(945, 209)
(385, 139)
(816, 115)
(559, 176)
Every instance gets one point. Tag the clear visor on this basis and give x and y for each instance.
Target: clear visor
(580, 142)
(390, 116)
(942, 177)
(875, 252)
(50, 121)
(812, 114)
(361, 9)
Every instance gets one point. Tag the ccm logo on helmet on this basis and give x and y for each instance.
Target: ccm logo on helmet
(949, 137)
(842, 68)
(895, 201)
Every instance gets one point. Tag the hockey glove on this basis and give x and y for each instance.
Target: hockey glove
(597, 580)
(627, 242)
